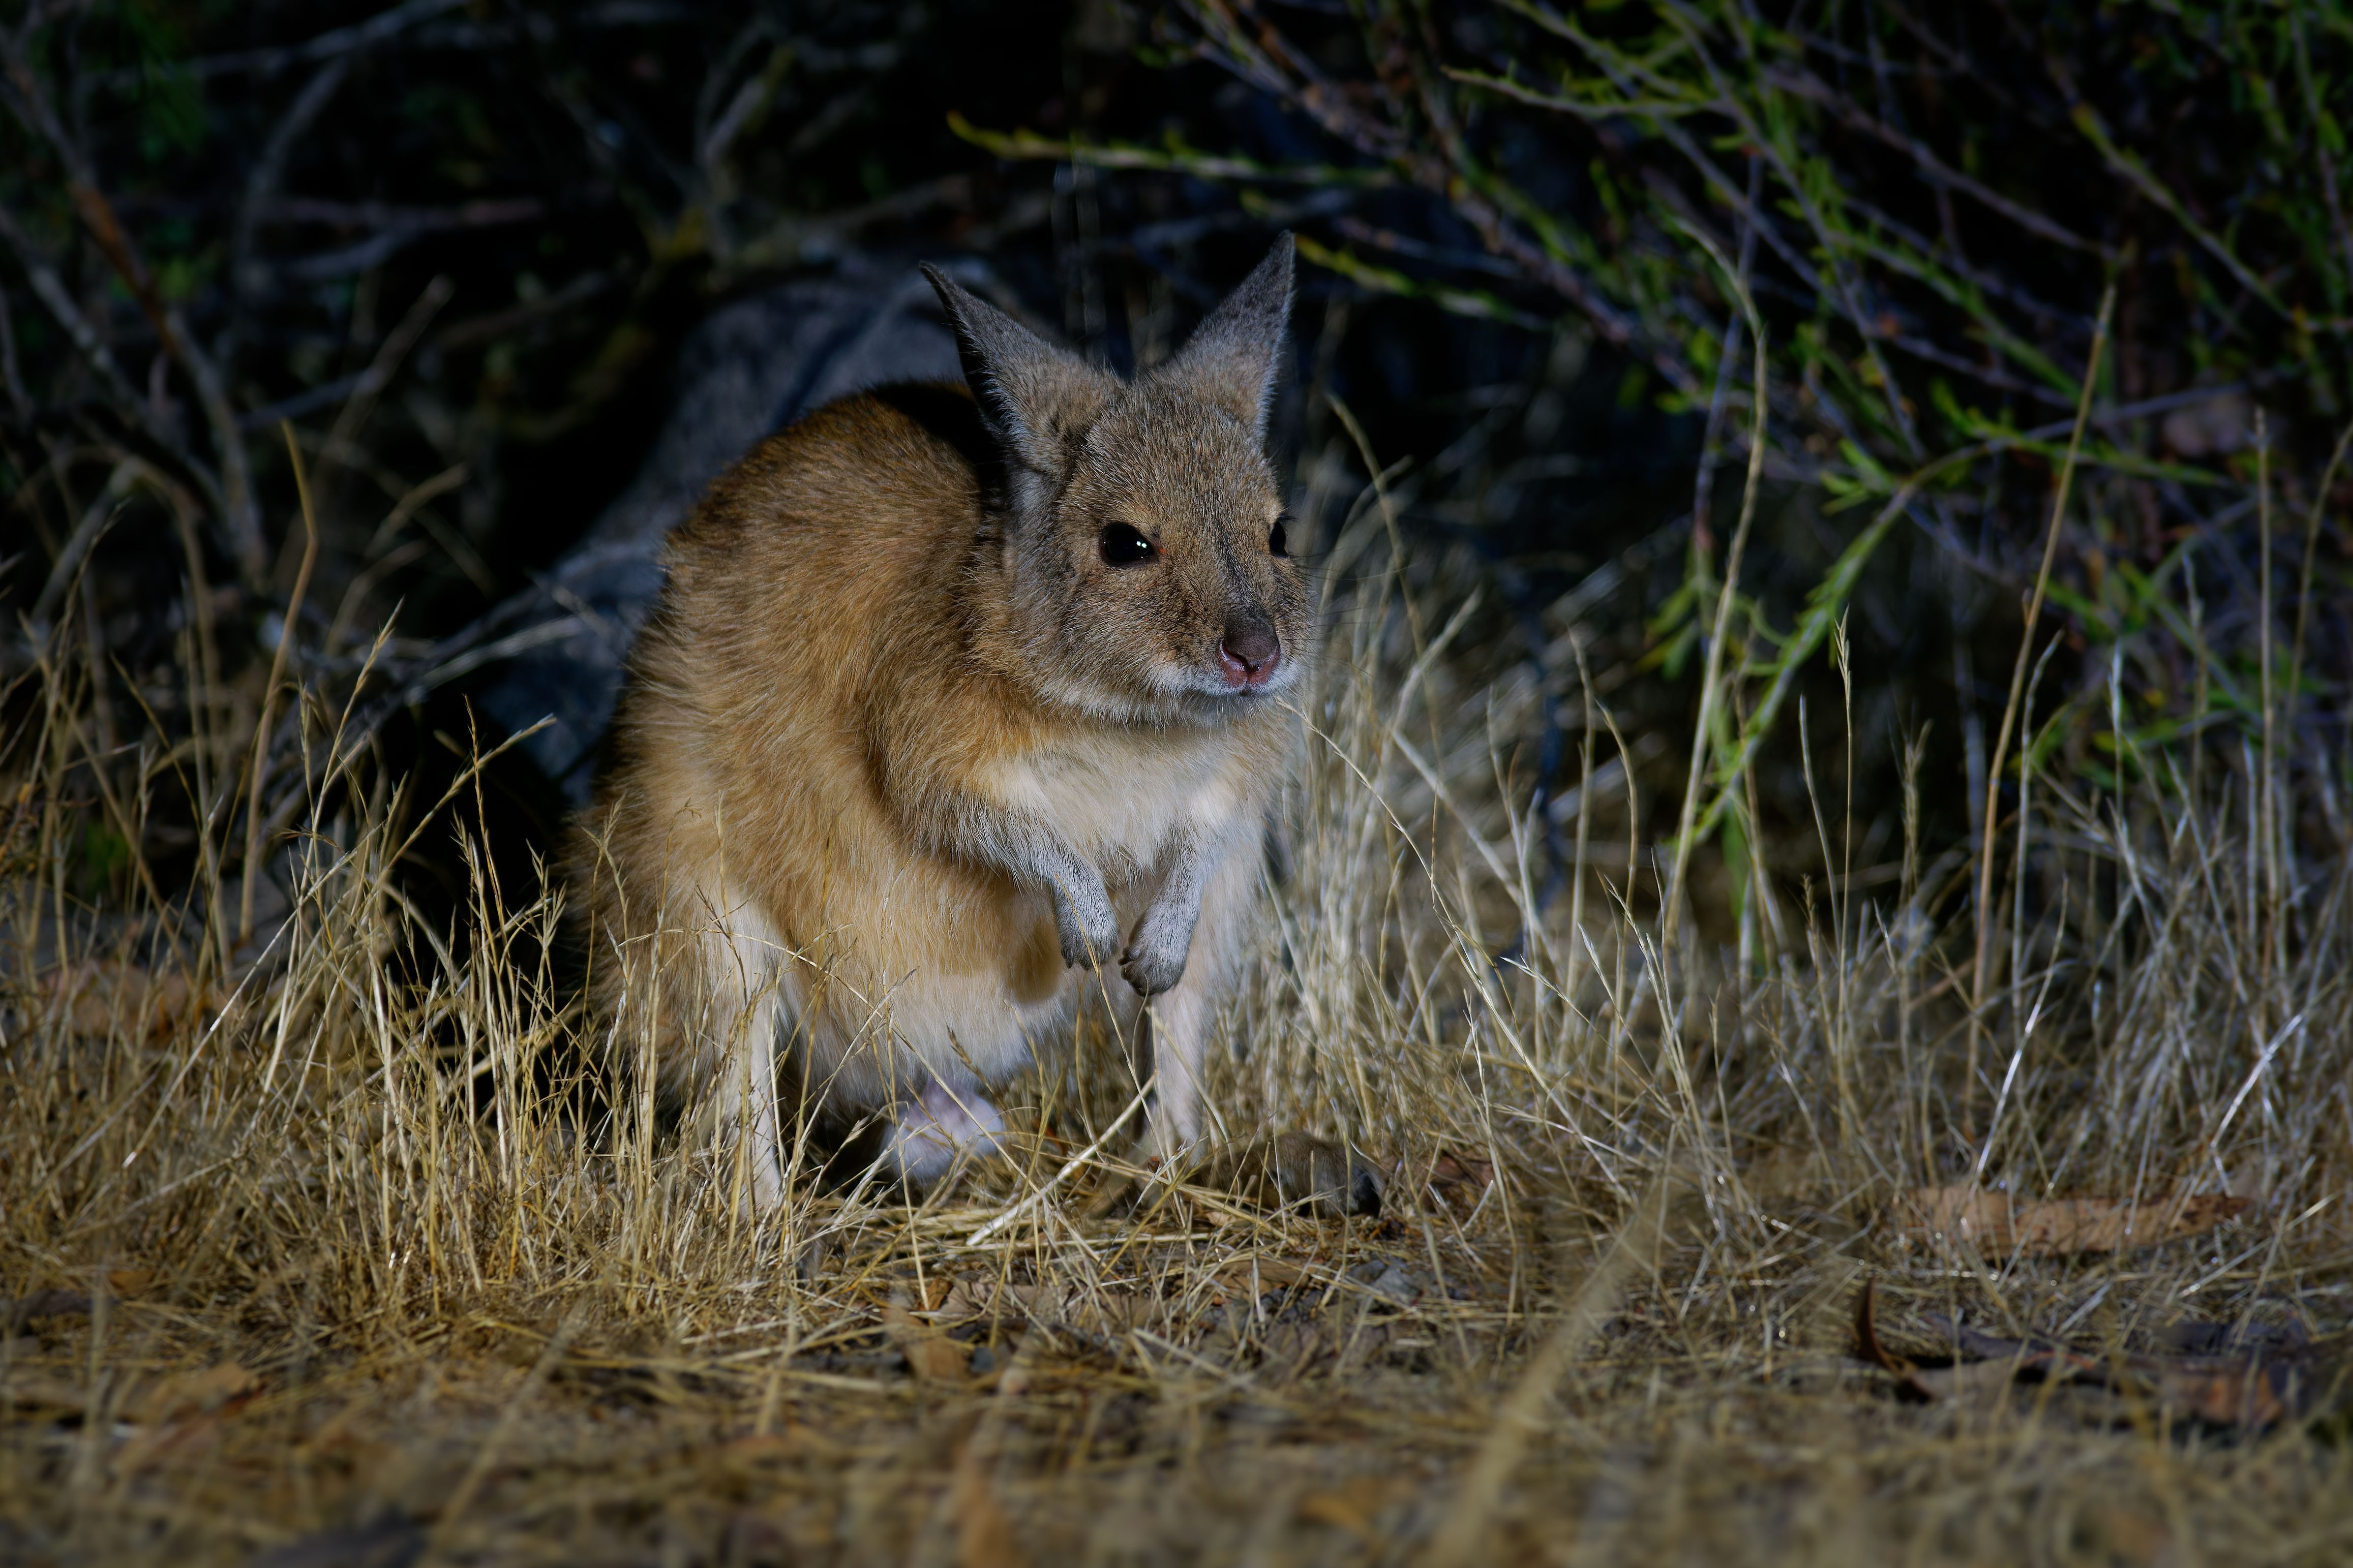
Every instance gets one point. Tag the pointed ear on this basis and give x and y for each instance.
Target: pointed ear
(1234, 356)
(1032, 394)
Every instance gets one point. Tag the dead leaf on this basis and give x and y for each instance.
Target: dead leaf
(1998, 1225)
(1099, 1311)
(966, 1300)
(1454, 1170)
(187, 1394)
(1350, 1507)
(129, 1282)
(963, 1304)
(2247, 1390)
(1461, 1179)
(931, 1355)
(1263, 1274)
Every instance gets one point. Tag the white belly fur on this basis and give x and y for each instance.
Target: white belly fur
(876, 1045)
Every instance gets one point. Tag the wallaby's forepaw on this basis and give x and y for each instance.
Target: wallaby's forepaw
(1292, 1167)
(1089, 929)
(1153, 964)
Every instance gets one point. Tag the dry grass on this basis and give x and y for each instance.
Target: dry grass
(376, 1272)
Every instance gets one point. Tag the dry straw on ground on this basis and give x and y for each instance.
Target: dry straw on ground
(333, 1247)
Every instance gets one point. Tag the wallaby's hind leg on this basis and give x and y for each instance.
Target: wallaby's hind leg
(929, 1132)
(1282, 1168)
(695, 983)
(740, 1015)
(1184, 1017)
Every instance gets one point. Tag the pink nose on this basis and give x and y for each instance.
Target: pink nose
(1248, 652)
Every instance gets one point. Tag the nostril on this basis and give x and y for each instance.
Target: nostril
(1251, 644)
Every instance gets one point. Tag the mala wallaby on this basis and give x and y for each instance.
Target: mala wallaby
(960, 704)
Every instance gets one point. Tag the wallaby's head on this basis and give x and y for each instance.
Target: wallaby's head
(1145, 564)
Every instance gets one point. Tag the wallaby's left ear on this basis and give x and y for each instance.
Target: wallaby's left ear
(1233, 358)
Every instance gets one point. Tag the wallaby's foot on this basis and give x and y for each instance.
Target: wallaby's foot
(929, 1132)
(1291, 1167)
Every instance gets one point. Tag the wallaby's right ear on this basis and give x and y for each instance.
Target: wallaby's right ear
(1033, 396)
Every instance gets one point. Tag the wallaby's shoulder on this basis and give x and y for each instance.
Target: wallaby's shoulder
(895, 460)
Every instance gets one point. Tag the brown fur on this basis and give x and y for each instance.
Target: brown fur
(905, 754)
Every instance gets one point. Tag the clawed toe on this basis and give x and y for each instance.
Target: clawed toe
(1082, 951)
(1151, 973)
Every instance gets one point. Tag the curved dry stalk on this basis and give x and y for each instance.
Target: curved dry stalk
(1983, 957)
(1710, 680)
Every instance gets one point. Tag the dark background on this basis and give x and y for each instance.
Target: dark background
(457, 246)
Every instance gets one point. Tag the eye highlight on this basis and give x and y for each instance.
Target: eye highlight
(1123, 546)
(1278, 543)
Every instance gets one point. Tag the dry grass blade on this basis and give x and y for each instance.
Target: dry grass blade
(1710, 696)
(290, 628)
(1459, 1537)
(1997, 1225)
(1980, 972)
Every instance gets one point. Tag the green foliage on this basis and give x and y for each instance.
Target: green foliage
(170, 98)
(1937, 203)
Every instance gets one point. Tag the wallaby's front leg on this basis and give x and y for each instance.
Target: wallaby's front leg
(977, 825)
(1154, 961)
(1214, 890)
(1084, 918)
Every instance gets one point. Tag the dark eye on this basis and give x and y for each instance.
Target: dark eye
(1277, 542)
(1123, 546)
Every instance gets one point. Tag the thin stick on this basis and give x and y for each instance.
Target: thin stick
(1584, 824)
(2267, 817)
(260, 768)
(1984, 962)
(1068, 1167)
(2304, 577)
